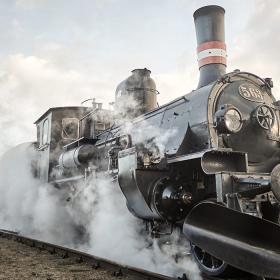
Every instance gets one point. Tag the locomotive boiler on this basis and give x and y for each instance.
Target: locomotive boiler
(206, 163)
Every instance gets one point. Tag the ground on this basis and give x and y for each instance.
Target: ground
(19, 261)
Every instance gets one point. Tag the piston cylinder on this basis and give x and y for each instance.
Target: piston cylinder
(77, 157)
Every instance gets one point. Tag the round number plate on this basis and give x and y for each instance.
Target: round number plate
(251, 92)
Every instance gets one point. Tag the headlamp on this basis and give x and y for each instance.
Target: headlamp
(228, 119)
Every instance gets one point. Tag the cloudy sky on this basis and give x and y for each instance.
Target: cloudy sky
(60, 52)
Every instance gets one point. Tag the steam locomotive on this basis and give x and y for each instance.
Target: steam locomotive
(207, 162)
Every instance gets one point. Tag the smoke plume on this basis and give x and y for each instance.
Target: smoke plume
(94, 218)
(28, 206)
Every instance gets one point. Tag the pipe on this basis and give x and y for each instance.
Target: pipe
(211, 47)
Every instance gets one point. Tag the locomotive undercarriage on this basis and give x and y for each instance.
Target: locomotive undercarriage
(173, 195)
(248, 193)
(163, 193)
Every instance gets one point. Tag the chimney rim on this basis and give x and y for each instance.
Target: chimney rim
(142, 71)
(206, 10)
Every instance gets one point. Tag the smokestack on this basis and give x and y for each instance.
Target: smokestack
(211, 47)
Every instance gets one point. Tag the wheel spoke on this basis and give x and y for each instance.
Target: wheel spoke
(203, 257)
(267, 124)
(262, 121)
(212, 262)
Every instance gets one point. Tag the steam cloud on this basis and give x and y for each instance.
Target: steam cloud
(94, 217)
(28, 206)
(98, 210)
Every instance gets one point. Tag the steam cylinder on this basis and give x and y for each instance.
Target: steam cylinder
(136, 95)
(211, 48)
(79, 156)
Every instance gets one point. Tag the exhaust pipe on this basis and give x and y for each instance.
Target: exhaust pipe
(211, 47)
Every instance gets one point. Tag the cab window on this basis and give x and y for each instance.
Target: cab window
(70, 128)
(45, 132)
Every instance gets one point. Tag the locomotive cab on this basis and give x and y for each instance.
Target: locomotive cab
(72, 130)
(56, 128)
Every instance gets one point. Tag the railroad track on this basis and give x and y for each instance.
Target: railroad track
(95, 262)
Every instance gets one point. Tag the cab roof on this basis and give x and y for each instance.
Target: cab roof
(54, 109)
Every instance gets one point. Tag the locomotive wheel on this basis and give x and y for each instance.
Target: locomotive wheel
(210, 265)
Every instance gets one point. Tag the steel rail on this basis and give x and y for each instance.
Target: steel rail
(95, 262)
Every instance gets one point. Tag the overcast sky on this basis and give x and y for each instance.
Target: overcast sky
(60, 52)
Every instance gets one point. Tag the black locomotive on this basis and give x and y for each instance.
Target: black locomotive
(207, 162)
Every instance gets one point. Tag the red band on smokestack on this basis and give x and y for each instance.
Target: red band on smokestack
(212, 59)
(211, 52)
(211, 45)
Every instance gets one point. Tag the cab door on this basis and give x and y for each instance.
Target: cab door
(44, 148)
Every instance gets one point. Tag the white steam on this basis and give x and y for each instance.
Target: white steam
(116, 234)
(28, 206)
(150, 135)
(93, 216)
(99, 208)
